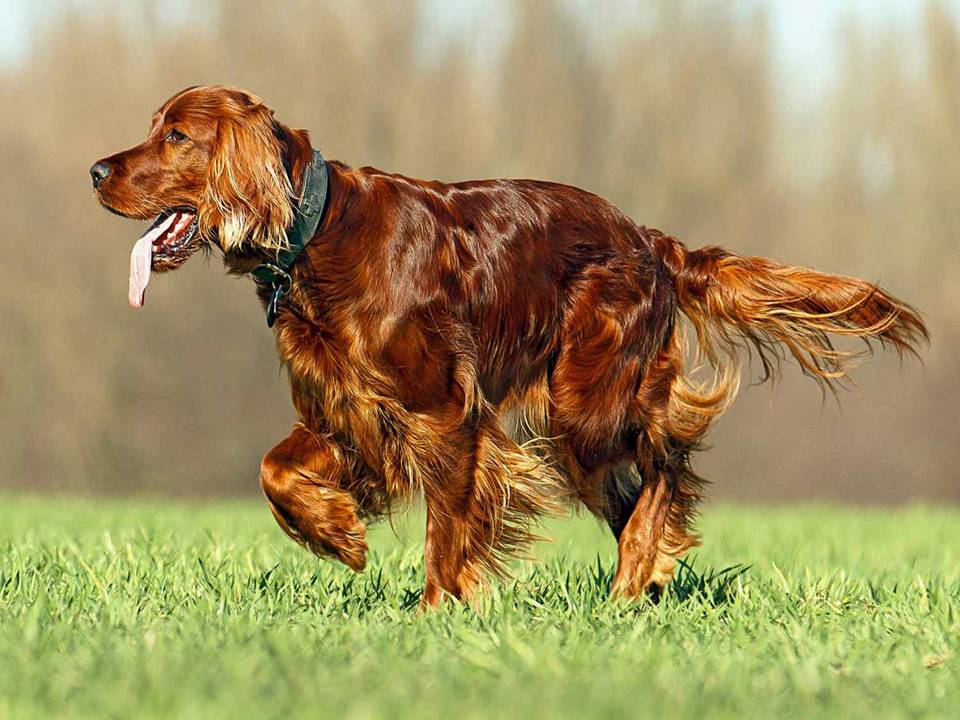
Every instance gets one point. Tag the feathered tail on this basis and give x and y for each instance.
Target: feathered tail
(735, 301)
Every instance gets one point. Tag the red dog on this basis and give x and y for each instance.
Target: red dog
(503, 346)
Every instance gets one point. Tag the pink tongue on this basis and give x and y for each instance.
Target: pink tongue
(141, 260)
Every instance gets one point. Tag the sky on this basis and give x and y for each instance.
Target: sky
(804, 29)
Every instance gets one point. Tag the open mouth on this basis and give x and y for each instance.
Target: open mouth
(178, 227)
(171, 238)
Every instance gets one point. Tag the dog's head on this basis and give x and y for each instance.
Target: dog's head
(215, 168)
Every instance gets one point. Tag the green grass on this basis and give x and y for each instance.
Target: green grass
(158, 609)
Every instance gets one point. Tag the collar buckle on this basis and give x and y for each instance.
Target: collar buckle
(279, 286)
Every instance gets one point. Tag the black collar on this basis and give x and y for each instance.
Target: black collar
(308, 214)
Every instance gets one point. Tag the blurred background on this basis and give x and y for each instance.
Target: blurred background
(818, 133)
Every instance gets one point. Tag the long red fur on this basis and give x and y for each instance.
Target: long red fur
(503, 347)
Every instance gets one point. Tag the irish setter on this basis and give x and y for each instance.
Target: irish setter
(505, 347)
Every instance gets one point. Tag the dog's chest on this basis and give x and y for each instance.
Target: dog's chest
(336, 384)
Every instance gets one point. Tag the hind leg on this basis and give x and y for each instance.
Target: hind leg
(620, 397)
(658, 530)
(656, 535)
(638, 541)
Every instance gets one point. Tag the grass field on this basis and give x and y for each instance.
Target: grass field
(158, 609)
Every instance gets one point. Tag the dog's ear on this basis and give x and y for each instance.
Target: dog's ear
(296, 152)
(248, 195)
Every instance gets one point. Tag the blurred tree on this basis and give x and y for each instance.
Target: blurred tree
(672, 109)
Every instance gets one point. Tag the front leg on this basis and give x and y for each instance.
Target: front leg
(480, 514)
(304, 479)
(454, 553)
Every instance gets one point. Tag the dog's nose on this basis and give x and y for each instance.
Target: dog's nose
(99, 172)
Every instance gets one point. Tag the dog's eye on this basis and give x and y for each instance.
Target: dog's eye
(175, 136)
